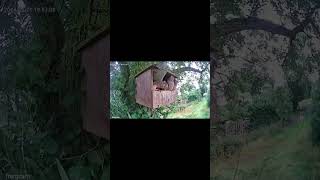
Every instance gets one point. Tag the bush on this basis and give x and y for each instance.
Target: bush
(281, 100)
(272, 105)
(189, 92)
(233, 111)
(193, 96)
(262, 113)
(269, 107)
(118, 108)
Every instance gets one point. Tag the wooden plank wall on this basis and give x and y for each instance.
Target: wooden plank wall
(163, 98)
(144, 84)
(95, 60)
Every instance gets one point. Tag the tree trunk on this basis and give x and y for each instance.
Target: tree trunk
(214, 106)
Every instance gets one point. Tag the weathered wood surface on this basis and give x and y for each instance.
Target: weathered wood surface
(158, 74)
(95, 61)
(163, 98)
(147, 94)
(144, 85)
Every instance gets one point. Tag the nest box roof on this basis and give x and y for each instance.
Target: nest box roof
(100, 33)
(155, 67)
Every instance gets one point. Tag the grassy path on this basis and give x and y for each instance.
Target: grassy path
(286, 155)
(196, 109)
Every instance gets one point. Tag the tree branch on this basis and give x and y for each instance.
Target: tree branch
(304, 23)
(250, 23)
(183, 69)
(254, 23)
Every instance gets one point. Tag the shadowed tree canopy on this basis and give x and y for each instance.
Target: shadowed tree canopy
(254, 27)
(40, 86)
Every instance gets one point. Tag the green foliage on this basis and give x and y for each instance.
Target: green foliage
(62, 172)
(41, 122)
(190, 93)
(193, 96)
(261, 109)
(117, 105)
(315, 114)
(296, 74)
(50, 146)
(207, 96)
(248, 80)
(234, 111)
(106, 173)
(79, 172)
(270, 106)
(195, 109)
(140, 113)
(222, 8)
(281, 99)
(269, 152)
(187, 87)
(122, 99)
(261, 112)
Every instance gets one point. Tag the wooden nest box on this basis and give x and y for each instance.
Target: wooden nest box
(148, 91)
(95, 57)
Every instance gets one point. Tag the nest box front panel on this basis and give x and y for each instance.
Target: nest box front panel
(155, 88)
(163, 98)
(143, 89)
(95, 60)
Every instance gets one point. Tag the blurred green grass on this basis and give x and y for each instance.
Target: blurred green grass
(287, 154)
(195, 109)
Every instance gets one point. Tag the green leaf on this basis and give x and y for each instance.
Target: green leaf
(93, 157)
(50, 146)
(69, 100)
(106, 148)
(62, 172)
(106, 174)
(34, 166)
(36, 139)
(79, 173)
(78, 4)
(36, 45)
